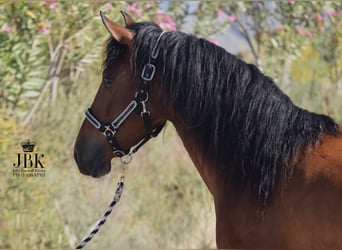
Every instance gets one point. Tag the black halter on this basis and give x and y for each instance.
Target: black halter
(141, 98)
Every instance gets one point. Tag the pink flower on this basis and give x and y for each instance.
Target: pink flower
(160, 11)
(53, 5)
(310, 33)
(331, 13)
(220, 13)
(134, 9)
(166, 22)
(44, 28)
(301, 30)
(232, 18)
(6, 29)
(319, 18)
(257, 4)
(280, 28)
(109, 6)
(321, 28)
(292, 1)
(214, 41)
(148, 5)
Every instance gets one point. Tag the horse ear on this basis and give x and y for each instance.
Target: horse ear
(120, 33)
(128, 19)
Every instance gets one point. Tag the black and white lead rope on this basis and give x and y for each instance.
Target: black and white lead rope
(102, 221)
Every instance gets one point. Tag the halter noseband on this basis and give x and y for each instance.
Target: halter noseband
(141, 97)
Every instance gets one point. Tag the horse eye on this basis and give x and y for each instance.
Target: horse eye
(107, 81)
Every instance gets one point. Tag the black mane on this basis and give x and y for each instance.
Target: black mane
(240, 119)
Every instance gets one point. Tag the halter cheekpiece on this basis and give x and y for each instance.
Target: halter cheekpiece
(141, 97)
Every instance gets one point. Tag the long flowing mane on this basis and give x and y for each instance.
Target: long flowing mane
(240, 119)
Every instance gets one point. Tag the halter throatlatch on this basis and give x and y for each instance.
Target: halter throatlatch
(141, 97)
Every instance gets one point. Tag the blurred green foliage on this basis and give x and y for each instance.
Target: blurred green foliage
(49, 72)
(46, 44)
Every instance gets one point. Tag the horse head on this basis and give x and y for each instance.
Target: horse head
(126, 111)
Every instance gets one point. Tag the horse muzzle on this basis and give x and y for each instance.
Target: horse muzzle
(91, 160)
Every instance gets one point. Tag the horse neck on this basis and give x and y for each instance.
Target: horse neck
(208, 171)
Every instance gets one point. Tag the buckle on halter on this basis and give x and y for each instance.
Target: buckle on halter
(148, 72)
(108, 132)
(144, 110)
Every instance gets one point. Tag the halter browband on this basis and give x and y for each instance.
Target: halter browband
(140, 99)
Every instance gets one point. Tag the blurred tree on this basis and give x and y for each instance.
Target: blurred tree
(44, 43)
(277, 28)
(49, 43)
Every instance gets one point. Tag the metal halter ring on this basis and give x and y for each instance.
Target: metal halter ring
(142, 95)
(126, 158)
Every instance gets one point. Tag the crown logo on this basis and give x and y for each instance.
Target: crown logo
(28, 146)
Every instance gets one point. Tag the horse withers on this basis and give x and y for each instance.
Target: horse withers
(273, 168)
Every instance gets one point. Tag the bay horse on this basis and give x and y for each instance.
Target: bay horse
(273, 168)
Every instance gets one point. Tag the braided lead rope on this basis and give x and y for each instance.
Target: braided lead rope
(102, 221)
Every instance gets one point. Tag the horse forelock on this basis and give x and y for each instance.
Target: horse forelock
(240, 119)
